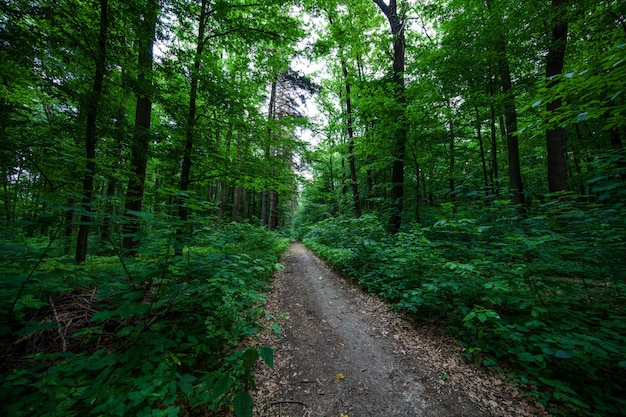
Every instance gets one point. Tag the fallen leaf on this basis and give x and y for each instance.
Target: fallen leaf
(340, 376)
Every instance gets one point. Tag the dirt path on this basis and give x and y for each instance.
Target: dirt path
(344, 353)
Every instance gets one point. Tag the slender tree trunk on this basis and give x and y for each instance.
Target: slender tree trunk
(493, 172)
(264, 204)
(236, 204)
(555, 136)
(451, 168)
(219, 190)
(396, 24)
(481, 146)
(510, 118)
(91, 136)
(350, 130)
(266, 209)
(244, 199)
(351, 159)
(272, 220)
(107, 223)
(417, 185)
(183, 212)
(370, 189)
(141, 138)
(222, 201)
(344, 182)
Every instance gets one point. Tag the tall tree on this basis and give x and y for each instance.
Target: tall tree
(185, 179)
(555, 135)
(349, 122)
(141, 138)
(510, 110)
(396, 19)
(93, 103)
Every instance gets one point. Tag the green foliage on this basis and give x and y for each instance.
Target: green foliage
(543, 296)
(160, 334)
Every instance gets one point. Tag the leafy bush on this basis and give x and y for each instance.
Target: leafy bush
(158, 335)
(543, 296)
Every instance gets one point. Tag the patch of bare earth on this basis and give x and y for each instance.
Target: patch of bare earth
(344, 352)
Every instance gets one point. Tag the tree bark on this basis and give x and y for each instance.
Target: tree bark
(272, 220)
(91, 136)
(493, 172)
(396, 24)
(183, 212)
(510, 119)
(351, 159)
(555, 136)
(141, 137)
(451, 168)
(481, 146)
(356, 201)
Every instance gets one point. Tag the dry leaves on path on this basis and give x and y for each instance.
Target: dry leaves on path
(343, 352)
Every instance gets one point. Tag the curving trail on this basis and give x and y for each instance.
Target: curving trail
(389, 368)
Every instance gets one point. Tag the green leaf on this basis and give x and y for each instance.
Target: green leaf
(186, 388)
(242, 404)
(563, 354)
(267, 354)
(222, 385)
(249, 358)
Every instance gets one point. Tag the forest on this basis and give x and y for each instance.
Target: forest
(463, 160)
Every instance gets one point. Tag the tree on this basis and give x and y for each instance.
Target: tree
(555, 135)
(510, 110)
(141, 138)
(91, 136)
(396, 19)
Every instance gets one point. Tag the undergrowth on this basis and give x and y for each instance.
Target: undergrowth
(156, 335)
(542, 297)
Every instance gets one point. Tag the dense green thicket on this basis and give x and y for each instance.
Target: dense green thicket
(541, 296)
(155, 335)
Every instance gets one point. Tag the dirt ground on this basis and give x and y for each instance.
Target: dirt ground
(344, 353)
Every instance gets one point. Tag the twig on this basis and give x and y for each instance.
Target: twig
(56, 317)
(288, 402)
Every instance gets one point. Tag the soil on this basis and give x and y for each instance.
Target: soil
(342, 352)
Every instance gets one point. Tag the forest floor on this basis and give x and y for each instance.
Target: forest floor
(343, 352)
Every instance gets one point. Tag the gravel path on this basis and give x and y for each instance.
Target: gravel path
(343, 352)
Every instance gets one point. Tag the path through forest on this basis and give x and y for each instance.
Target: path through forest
(343, 352)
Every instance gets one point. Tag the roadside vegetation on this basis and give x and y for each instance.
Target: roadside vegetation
(155, 335)
(541, 298)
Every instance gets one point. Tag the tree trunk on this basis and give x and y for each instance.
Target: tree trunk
(107, 223)
(272, 220)
(264, 204)
(451, 185)
(351, 159)
(396, 24)
(141, 138)
(555, 136)
(510, 120)
(91, 136)
(236, 204)
(183, 212)
(350, 130)
(244, 200)
(493, 172)
(481, 146)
